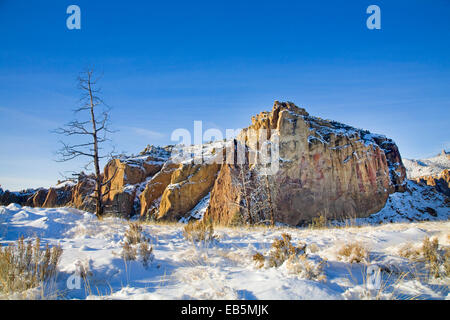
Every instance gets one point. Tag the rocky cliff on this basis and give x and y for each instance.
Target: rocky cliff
(440, 182)
(324, 168)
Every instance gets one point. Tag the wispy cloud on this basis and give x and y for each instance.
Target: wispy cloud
(27, 117)
(149, 134)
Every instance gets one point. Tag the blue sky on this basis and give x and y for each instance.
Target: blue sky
(168, 63)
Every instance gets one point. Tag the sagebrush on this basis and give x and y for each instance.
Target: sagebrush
(435, 257)
(24, 265)
(353, 253)
(136, 245)
(295, 258)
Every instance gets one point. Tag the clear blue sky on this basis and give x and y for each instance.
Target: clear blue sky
(168, 63)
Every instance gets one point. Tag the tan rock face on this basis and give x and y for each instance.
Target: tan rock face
(326, 168)
(188, 185)
(121, 178)
(155, 188)
(51, 199)
(81, 194)
(227, 199)
(38, 198)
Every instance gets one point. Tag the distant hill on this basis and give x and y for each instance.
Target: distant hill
(427, 167)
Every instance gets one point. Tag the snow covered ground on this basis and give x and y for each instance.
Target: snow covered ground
(224, 268)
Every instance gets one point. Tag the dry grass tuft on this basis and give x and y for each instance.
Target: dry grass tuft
(199, 231)
(24, 265)
(259, 260)
(436, 258)
(353, 253)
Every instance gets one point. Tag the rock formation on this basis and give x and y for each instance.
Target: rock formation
(325, 168)
(440, 182)
(188, 185)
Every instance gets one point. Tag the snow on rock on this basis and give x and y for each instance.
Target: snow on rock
(427, 167)
(418, 203)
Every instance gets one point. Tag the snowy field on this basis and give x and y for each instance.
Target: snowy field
(224, 268)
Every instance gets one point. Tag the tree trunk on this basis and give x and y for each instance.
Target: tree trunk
(98, 177)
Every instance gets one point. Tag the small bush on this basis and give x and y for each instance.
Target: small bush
(259, 259)
(199, 231)
(146, 253)
(300, 265)
(135, 245)
(282, 249)
(24, 265)
(133, 234)
(436, 259)
(295, 258)
(353, 253)
(129, 252)
(236, 219)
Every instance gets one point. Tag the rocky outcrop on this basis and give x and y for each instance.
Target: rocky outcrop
(151, 196)
(325, 168)
(52, 199)
(20, 197)
(38, 198)
(58, 197)
(427, 167)
(440, 182)
(188, 185)
(123, 175)
(82, 193)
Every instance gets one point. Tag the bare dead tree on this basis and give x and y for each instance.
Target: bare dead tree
(92, 133)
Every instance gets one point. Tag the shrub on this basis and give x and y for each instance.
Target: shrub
(129, 252)
(135, 245)
(259, 259)
(436, 259)
(236, 219)
(133, 235)
(299, 264)
(199, 231)
(295, 258)
(282, 249)
(353, 253)
(25, 265)
(146, 253)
